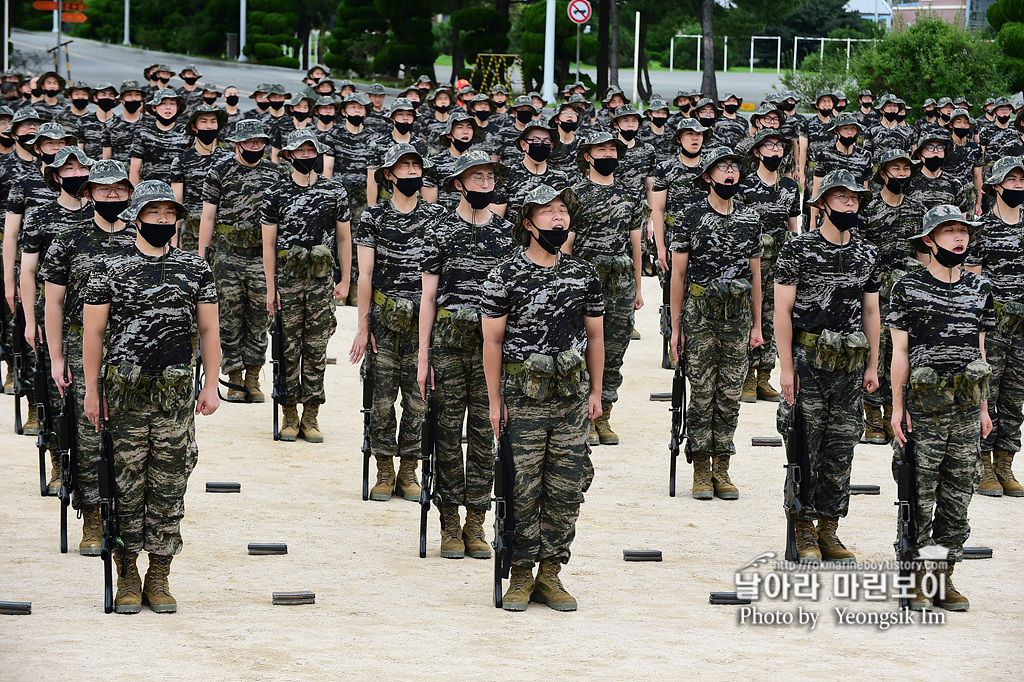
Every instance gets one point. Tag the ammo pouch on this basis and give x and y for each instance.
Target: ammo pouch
(723, 299)
(569, 366)
(459, 328)
(771, 245)
(930, 393)
(305, 263)
(541, 377)
(241, 235)
(615, 272)
(129, 387)
(535, 379)
(973, 388)
(834, 352)
(397, 314)
(1010, 318)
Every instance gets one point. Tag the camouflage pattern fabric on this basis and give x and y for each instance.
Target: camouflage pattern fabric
(1004, 143)
(393, 368)
(729, 131)
(190, 169)
(305, 216)
(119, 135)
(444, 165)
(521, 181)
(635, 167)
(677, 180)
(42, 225)
(380, 146)
(307, 317)
(819, 136)
(830, 159)
(88, 441)
(26, 190)
(428, 128)
(51, 112)
(244, 320)
(157, 149)
(943, 189)
(720, 246)
(397, 241)
(351, 159)
(563, 157)
(664, 147)
(869, 119)
(998, 251)
(880, 139)
(238, 191)
(505, 145)
(87, 129)
(965, 158)
(462, 255)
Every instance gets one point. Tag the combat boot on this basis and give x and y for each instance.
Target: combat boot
(764, 389)
(157, 592)
(353, 294)
(989, 484)
(92, 531)
(829, 543)
(252, 383)
(702, 488)
(520, 589)
(749, 394)
(309, 428)
(452, 544)
(920, 601)
(477, 546)
(949, 597)
(549, 588)
(604, 429)
(634, 335)
(593, 438)
(887, 422)
(129, 585)
(408, 487)
(9, 380)
(385, 486)
(290, 428)
(720, 481)
(53, 485)
(1004, 473)
(874, 432)
(31, 425)
(235, 395)
(806, 542)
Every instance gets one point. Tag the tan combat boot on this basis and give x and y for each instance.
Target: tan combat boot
(806, 542)
(989, 484)
(520, 589)
(549, 588)
(92, 531)
(1004, 473)
(290, 428)
(9, 380)
(720, 479)
(53, 485)
(157, 592)
(31, 426)
(749, 394)
(702, 488)
(385, 486)
(920, 601)
(874, 431)
(353, 294)
(408, 487)
(764, 389)
(452, 544)
(593, 438)
(634, 335)
(604, 429)
(477, 546)
(235, 395)
(887, 422)
(252, 383)
(309, 428)
(129, 585)
(949, 597)
(829, 543)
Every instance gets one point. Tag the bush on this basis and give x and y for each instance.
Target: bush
(287, 62)
(265, 51)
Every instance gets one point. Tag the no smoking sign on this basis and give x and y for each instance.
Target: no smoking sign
(579, 11)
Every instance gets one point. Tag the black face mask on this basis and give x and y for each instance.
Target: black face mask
(788, 106)
(706, 121)
(896, 185)
(605, 166)
(356, 121)
(688, 154)
(442, 108)
(840, 108)
(51, 93)
(944, 117)
(6, 142)
(164, 81)
(479, 200)
(47, 158)
(866, 107)
(890, 116)
(25, 140)
(949, 259)
(484, 114)
(1003, 119)
(300, 115)
(731, 108)
(252, 157)
(900, 118)
(71, 185)
(825, 113)
(772, 163)
(106, 103)
(262, 106)
(568, 126)
(191, 80)
(231, 100)
(685, 107)
(315, 79)
(210, 100)
(423, 91)
(538, 152)
(960, 132)
(524, 116)
(552, 240)
(165, 121)
(847, 140)
(79, 103)
(28, 95)
(305, 166)
(659, 121)
(276, 106)
(628, 135)
(930, 115)
(325, 118)
(725, 191)
(110, 210)
(1012, 197)
(408, 186)
(461, 145)
(155, 234)
(403, 128)
(934, 163)
(132, 106)
(207, 137)
(844, 221)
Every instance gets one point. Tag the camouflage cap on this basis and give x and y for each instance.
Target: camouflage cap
(327, 81)
(6, 111)
(376, 89)
(460, 117)
(278, 89)
(1002, 102)
(525, 101)
(727, 95)
(105, 85)
(262, 87)
(248, 129)
(692, 125)
(130, 86)
(222, 117)
(411, 88)
(484, 98)
(210, 87)
(1018, 122)
(883, 100)
(611, 92)
(538, 125)
(499, 89)
(656, 104)
(941, 215)
(394, 155)
(580, 84)
(712, 156)
(166, 93)
(345, 83)
(576, 106)
(328, 101)
(297, 138)
(61, 158)
(400, 104)
(768, 134)
(191, 67)
(864, 93)
(841, 95)
(298, 98)
(960, 99)
(61, 83)
(707, 102)
(1000, 169)
(988, 101)
(106, 172)
(681, 93)
(473, 158)
(624, 111)
(942, 136)
(533, 94)
(790, 94)
(77, 85)
(445, 88)
(840, 179)
(424, 79)
(542, 195)
(164, 67)
(944, 102)
(958, 112)
(930, 102)
(767, 109)
(317, 66)
(357, 98)
(823, 93)
(895, 154)
(53, 131)
(593, 140)
(845, 119)
(28, 113)
(149, 192)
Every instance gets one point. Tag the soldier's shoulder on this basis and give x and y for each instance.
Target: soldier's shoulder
(430, 210)
(976, 282)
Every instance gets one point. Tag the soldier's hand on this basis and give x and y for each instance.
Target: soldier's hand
(650, 228)
(30, 336)
(494, 414)
(663, 259)
(986, 424)
(870, 380)
(341, 290)
(208, 400)
(57, 372)
(678, 344)
(359, 345)
(897, 425)
(790, 385)
(756, 340)
(273, 301)
(424, 370)
(638, 303)
(10, 297)
(92, 408)
(594, 409)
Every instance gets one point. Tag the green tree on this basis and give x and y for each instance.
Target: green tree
(1007, 16)
(410, 42)
(359, 34)
(565, 43)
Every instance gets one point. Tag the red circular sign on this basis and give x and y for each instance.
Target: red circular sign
(579, 11)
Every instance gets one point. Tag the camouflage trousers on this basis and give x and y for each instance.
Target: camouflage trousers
(1005, 354)
(155, 451)
(460, 390)
(716, 365)
(618, 330)
(307, 317)
(244, 320)
(549, 449)
(188, 237)
(883, 394)
(834, 416)
(763, 357)
(87, 440)
(947, 458)
(393, 368)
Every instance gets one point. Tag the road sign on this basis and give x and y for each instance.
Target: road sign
(73, 17)
(579, 11)
(51, 6)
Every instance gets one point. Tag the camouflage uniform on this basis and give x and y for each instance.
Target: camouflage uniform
(945, 188)
(1006, 142)
(881, 139)
(190, 169)
(635, 167)
(157, 149)
(677, 180)
(521, 181)
(352, 156)
(88, 129)
(119, 135)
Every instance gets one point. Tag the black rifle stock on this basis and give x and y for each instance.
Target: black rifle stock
(67, 449)
(365, 449)
(906, 519)
(108, 506)
(44, 415)
(19, 357)
(504, 518)
(666, 319)
(798, 476)
(428, 457)
(280, 388)
(678, 437)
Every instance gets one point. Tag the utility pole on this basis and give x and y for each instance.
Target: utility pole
(127, 17)
(241, 32)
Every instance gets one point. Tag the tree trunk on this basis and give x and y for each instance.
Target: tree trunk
(457, 57)
(708, 84)
(603, 21)
(643, 81)
(613, 53)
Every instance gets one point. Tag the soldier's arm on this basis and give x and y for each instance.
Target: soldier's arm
(343, 240)
(95, 317)
(270, 265)
(371, 187)
(108, 153)
(328, 166)
(785, 299)
(635, 237)
(29, 266)
(179, 191)
(494, 336)
(658, 201)
(12, 225)
(680, 261)
(900, 374)
(429, 194)
(134, 169)
(366, 256)
(208, 323)
(428, 312)
(872, 329)
(207, 222)
(54, 318)
(595, 357)
(755, 285)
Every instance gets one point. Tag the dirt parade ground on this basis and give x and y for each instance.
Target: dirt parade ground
(382, 612)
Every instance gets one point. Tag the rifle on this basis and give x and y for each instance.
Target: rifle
(67, 448)
(280, 387)
(798, 476)
(108, 507)
(906, 519)
(678, 434)
(428, 458)
(19, 356)
(365, 449)
(666, 318)
(44, 413)
(200, 379)
(504, 518)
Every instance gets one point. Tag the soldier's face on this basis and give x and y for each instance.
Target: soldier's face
(771, 147)
(866, 102)
(326, 111)
(605, 150)
(47, 146)
(409, 166)
(5, 124)
(377, 101)
(691, 140)
(163, 76)
(301, 107)
(353, 109)
(898, 169)
(413, 96)
(132, 96)
(538, 102)
(254, 145)
(932, 150)
(1004, 111)
(159, 212)
(890, 108)
(463, 130)
(825, 104)
(568, 114)
(706, 111)
(316, 74)
(110, 94)
(72, 169)
(729, 176)
(51, 83)
(950, 236)
(843, 200)
(206, 122)
(325, 88)
(211, 93)
(552, 216)
(167, 108)
(403, 117)
(499, 98)
(846, 131)
(479, 179)
(442, 99)
(116, 192)
(304, 151)
(1013, 180)
(770, 121)
(628, 123)
(616, 101)
(26, 128)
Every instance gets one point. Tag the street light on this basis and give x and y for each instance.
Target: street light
(241, 33)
